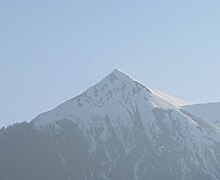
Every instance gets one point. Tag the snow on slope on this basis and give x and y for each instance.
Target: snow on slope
(171, 99)
(149, 126)
(110, 89)
(114, 87)
(209, 112)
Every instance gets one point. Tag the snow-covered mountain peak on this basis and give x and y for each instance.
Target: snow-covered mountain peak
(119, 78)
(112, 96)
(114, 90)
(117, 129)
(119, 126)
(121, 75)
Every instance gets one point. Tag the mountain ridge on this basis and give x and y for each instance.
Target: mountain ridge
(119, 80)
(117, 129)
(207, 111)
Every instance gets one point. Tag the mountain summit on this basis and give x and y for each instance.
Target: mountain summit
(117, 129)
(115, 90)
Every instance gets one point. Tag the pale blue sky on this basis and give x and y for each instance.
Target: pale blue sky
(53, 50)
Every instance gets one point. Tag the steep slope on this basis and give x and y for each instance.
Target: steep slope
(135, 114)
(117, 129)
(109, 96)
(171, 99)
(209, 112)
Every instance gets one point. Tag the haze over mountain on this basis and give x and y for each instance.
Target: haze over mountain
(208, 111)
(117, 129)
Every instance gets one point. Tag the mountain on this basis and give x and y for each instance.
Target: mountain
(209, 112)
(117, 129)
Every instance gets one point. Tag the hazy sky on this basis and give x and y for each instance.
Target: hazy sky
(53, 50)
